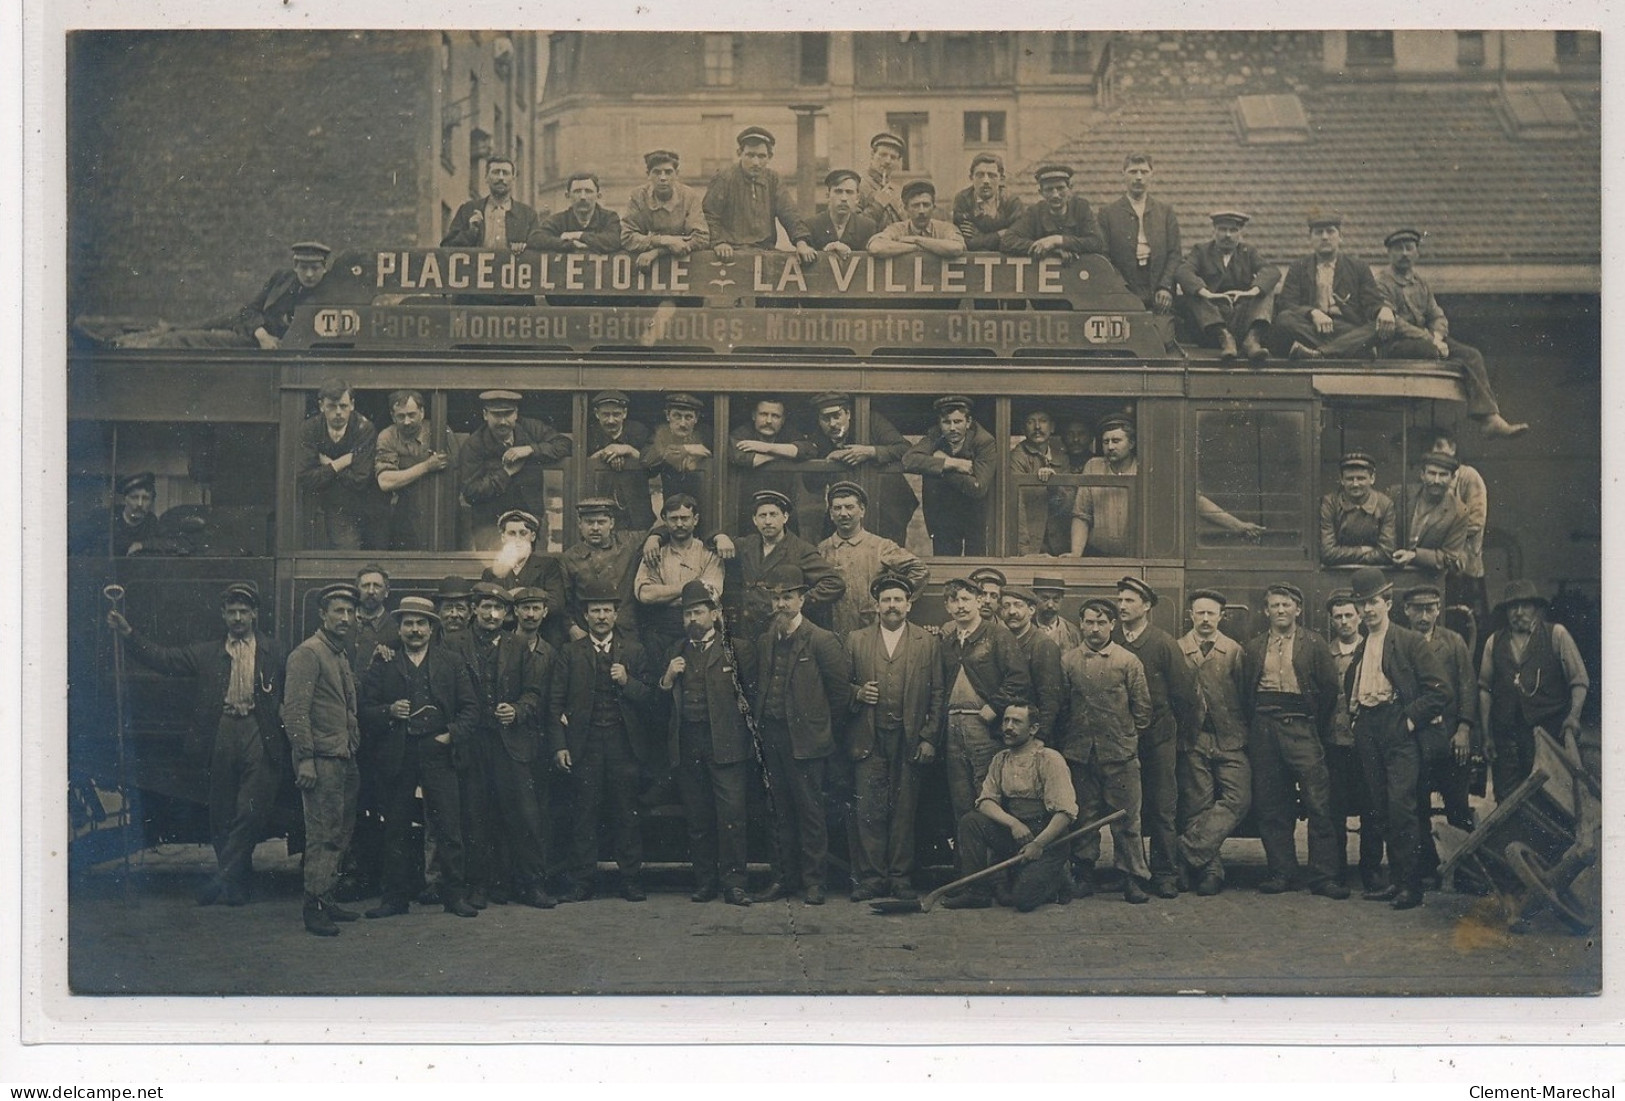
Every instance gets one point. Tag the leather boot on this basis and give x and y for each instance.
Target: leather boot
(317, 920)
(1227, 345)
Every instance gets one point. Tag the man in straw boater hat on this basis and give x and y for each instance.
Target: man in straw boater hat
(1395, 690)
(420, 708)
(1531, 675)
(236, 697)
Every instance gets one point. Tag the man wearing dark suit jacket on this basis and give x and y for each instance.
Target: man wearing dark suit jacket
(584, 226)
(598, 735)
(708, 745)
(957, 461)
(1228, 291)
(804, 680)
(1142, 237)
(984, 210)
(1290, 695)
(236, 703)
(773, 545)
(983, 672)
(840, 228)
(836, 438)
(1328, 304)
(419, 709)
(1396, 690)
(893, 733)
(498, 222)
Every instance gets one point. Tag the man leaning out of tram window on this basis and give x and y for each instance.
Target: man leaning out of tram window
(920, 231)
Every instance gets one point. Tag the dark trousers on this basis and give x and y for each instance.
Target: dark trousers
(364, 861)
(1285, 751)
(1514, 759)
(1205, 313)
(1480, 395)
(606, 772)
(1159, 784)
(716, 803)
(984, 842)
(243, 782)
(1392, 760)
(887, 795)
(795, 791)
(1349, 799)
(1215, 790)
(958, 528)
(329, 822)
(1441, 773)
(428, 763)
(504, 827)
(1345, 341)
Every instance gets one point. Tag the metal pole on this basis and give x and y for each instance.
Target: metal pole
(115, 596)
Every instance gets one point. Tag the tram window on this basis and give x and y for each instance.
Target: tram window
(770, 434)
(1252, 478)
(213, 489)
(1067, 436)
(956, 507)
(618, 437)
(535, 483)
(340, 506)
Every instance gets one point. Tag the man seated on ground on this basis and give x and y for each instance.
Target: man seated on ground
(1229, 291)
(841, 229)
(746, 204)
(583, 226)
(984, 210)
(919, 232)
(1063, 225)
(663, 217)
(1328, 305)
(1422, 331)
(1025, 803)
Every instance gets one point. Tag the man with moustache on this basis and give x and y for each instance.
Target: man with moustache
(957, 461)
(497, 221)
(1357, 524)
(878, 197)
(1328, 305)
(583, 226)
(519, 565)
(990, 583)
(1215, 775)
(615, 458)
(502, 465)
(603, 559)
(1101, 514)
(750, 606)
(1141, 236)
(1017, 606)
(419, 705)
(454, 603)
(237, 692)
(676, 454)
(708, 744)
(337, 448)
(860, 557)
(746, 203)
(892, 734)
(661, 580)
(983, 210)
(1043, 513)
(836, 440)
(1229, 291)
(1436, 526)
(663, 217)
(1051, 591)
(1061, 224)
(319, 714)
(840, 229)
(134, 524)
(404, 462)
(804, 680)
(983, 671)
(919, 231)
(1344, 774)
(1447, 743)
(757, 452)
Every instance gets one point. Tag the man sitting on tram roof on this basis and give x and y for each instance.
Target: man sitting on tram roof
(1062, 225)
(1328, 305)
(1229, 291)
(841, 229)
(984, 209)
(663, 217)
(920, 231)
(583, 226)
(745, 203)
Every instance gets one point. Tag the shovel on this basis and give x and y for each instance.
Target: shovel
(923, 905)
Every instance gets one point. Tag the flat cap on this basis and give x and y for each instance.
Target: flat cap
(519, 514)
(337, 590)
(919, 187)
(1115, 420)
(596, 506)
(755, 134)
(890, 581)
(1400, 236)
(949, 402)
(497, 400)
(1325, 218)
(1135, 585)
(840, 174)
(1021, 592)
(490, 590)
(660, 156)
(609, 397)
(1234, 217)
(681, 400)
(1044, 173)
(1441, 459)
(784, 579)
(1099, 604)
(241, 592)
(1424, 594)
(886, 137)
(988, 573)
(131, 482)
(1340, 596)
(530, 594)
(698, 592)
(830, 399)
(847, 489)
(1043, 583)
(1285, 588)
(769, 497)
(310, 250)
(1357, 460)
(1367, 582)
(415, 605)
(453, 587)
(1207, 594)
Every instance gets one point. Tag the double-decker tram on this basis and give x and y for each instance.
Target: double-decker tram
(1231, 459)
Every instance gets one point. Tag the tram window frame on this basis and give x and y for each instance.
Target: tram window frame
(1065, 411)
(1206, 541)
(462, 415)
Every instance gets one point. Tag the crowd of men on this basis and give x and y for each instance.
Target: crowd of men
(769, 669)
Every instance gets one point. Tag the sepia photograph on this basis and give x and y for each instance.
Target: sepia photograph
(844, 512)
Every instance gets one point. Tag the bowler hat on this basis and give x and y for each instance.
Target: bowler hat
(1135, 585)
(784, 579)
(453, 587)
(697, 592)
(1521, 591)
(598, 592)
(1367, 582)
(415, 605)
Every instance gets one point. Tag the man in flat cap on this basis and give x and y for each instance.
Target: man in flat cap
(990, 583)
(519, 564)
(1017, 606)
(1396, 691)
(585, 225)
(1422, 331)
(1347, 778)
(957, 460)
(236, 728)
(1358, 525)
(1290, 692)
(840, 228)
(803, 686)
(919, 231)
(603, 559)
(893, 732)
(1328, 305)
(770, 545)
(663, 216)
(337, 449)
(495, 221)
(319, 703)
(419, 709)
(1531, 675)
(1051, 591)
(502, 465)
(837, 439)
(1435, 525)
(984, 210)
(708, 743)
(878, 196)
(1229, 291)
(661, 578)
(758, 452)
(1215, 776)
(615, 448)
(983, 671)
(1447, 744)
(1062, 224)
(1043, 512)
(677, 455)
(1468, 488)
(405, 461)
(597, 732)
(134, 524)
(1101, 515)
(1141, 234)
(746, 204)
(861, 557)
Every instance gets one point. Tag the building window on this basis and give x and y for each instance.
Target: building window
(1069, 52)
(1370, 47)
(721, 149)
(1579, 47)
(445, 52)
(814, 68)
(719, 60)
(1470, 49)
(550, 152)
(912, 128)
(984, 127)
